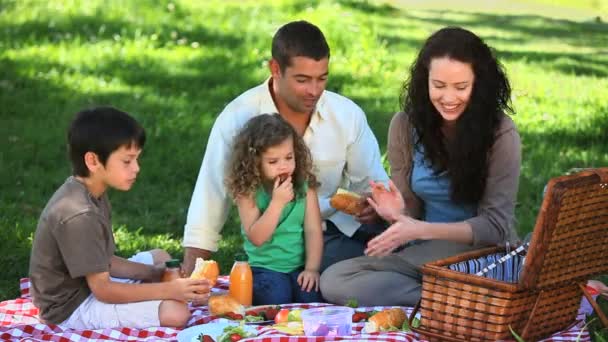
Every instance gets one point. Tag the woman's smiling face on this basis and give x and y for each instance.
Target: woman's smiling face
(450, 87)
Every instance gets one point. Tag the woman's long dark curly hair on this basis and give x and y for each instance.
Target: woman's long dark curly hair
(258, 134)
(465, 158)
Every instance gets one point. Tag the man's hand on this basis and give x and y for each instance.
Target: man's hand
(368, 214)
(190, 255)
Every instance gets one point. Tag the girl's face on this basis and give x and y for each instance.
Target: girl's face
(279, 160)
(450, 87)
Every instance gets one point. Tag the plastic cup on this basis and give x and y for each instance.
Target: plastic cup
(328, 321)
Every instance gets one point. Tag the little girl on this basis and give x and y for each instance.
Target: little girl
(270, 178)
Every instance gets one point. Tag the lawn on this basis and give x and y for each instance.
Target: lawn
(174, 65)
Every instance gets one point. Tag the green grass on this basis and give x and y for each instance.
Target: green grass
(174, 65)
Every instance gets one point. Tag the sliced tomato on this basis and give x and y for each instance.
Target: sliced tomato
(359, 316)
(235, 337)
(281, 316)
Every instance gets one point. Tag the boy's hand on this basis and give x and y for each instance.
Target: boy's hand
(283, 191)
(186, 289)
(309, 280)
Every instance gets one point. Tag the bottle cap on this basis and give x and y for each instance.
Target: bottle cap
(241, 257)
(173, 263)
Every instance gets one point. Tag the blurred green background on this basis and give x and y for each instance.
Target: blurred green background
(175, 64)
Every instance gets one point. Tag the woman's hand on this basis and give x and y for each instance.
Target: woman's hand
(309, 280)
(283, 192)
(389, 204)
(404, 230)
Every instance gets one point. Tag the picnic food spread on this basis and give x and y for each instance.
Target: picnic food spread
(206, 269)
(347, 202)
(386, 320)
(223, 304)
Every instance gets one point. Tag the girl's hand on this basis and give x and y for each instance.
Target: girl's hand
(186, 290)
(309, 280)
(389, 204)
(400, 232)
(283, 192)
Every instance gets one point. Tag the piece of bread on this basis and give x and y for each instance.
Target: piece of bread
(222, 304)
(385, 319)
(206, 269)
(347, 202)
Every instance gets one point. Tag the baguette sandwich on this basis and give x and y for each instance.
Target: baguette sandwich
(348, 202)
(385, 320)
(222, 304)
(206, 269)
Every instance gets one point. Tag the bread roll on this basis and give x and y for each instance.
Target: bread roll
(206, 269)
(219, 305)
(347, 202)
(385, 319)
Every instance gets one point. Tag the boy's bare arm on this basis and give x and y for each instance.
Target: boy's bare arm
(123, 268)
(183, 289)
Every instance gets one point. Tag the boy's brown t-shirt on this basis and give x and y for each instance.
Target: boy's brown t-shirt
(73, 238)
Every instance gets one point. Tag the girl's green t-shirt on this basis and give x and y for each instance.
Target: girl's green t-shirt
(284, 251)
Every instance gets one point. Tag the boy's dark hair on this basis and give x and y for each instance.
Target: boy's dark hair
(101, 130)
(298, 38)
(466, 160)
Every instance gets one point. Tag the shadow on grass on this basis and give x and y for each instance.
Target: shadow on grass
(518, 29)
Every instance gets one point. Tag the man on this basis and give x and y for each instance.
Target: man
(344, 150)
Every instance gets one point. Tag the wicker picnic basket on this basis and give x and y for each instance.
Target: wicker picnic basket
(569, 245)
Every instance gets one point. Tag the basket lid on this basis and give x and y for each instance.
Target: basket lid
(570, 238)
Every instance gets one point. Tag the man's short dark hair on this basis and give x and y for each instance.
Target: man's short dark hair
(101, 130)
(298, 38)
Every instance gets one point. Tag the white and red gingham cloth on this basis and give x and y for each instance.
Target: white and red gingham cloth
(19, 322)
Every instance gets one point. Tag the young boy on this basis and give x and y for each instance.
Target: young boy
(72, 264)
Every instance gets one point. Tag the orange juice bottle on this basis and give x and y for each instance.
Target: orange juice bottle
(241, 280)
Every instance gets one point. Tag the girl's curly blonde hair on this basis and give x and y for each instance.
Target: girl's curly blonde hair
(259, 133)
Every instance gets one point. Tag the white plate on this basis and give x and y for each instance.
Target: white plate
(212, 329)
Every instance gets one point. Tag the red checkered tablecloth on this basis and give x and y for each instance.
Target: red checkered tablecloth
(19, 322)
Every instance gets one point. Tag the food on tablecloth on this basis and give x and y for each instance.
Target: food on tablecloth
(206, 269)
(205, 338)
(346, 201)
(361, 316)
(290, 328)
(230, 334)
(234, 333)
(282, 316)
(224, 304)
(388, 319)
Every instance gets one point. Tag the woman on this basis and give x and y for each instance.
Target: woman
(455, 159)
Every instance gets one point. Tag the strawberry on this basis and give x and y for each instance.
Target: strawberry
(359, 316)
(234, 316)
(270, 313)
(207, 338)
(235, 337)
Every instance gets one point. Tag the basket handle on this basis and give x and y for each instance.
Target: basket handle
(422, 331)
(596, 308)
